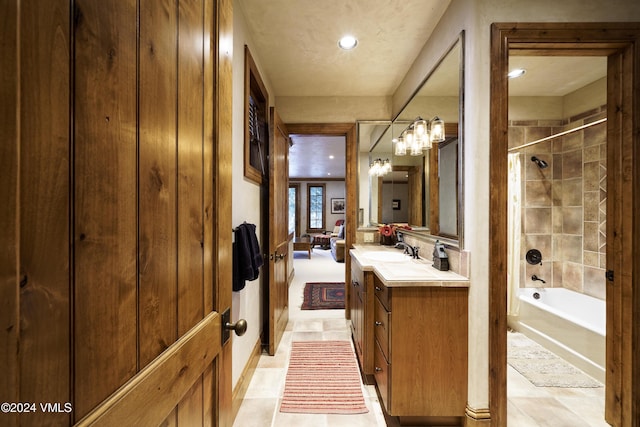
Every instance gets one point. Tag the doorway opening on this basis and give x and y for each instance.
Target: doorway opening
(556, 287)
(619, 45)
(345, 208)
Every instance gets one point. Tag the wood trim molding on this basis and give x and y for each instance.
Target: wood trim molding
(150, 396)
(240, 390)
(477, 416)
(348, 130)
(309, 179)
(620, 42)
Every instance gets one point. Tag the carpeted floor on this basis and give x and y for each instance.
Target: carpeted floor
(543, 368)
(323, 378)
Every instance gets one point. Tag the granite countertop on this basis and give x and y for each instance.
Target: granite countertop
(397, 270)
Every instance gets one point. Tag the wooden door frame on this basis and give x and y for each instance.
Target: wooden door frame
(348, 131)
(221, 97)
(620, 42)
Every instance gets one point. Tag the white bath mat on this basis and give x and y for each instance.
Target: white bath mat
(543, 368)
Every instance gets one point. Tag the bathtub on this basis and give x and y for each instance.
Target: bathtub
(568, 323)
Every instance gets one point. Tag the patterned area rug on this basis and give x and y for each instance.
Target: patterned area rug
(323, 378)
(543, 368)
(323, 295)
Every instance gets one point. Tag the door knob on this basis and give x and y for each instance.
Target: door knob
(240, 327)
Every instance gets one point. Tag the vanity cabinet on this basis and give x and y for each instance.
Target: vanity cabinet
(362, 297)
(420, 350)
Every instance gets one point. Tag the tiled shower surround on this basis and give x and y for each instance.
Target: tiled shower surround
(564, 205)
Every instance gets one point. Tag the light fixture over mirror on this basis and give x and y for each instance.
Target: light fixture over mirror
(419, 135)
(379, 167)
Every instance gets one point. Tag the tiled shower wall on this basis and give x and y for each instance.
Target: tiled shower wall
(564, 205)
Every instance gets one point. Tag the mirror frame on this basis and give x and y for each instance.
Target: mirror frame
(360, 157)
(456, 242)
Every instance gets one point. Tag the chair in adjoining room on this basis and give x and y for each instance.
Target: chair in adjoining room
(324, 239)
(337, 244)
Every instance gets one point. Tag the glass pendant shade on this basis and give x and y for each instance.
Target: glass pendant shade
(437, 130)
(401, 147)
(386, 167)
(373, 168)
(416, 148)
(420, 132)
(426, 142)
(408, 137)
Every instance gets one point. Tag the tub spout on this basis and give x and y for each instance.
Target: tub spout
(536, 278)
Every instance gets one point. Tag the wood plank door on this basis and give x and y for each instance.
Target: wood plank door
(278, 234)
(118, 212)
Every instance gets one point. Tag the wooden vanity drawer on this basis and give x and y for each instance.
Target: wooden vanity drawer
(382, 292)
(382, 326)
(381, 373)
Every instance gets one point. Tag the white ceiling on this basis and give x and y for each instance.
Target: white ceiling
(311, 157)
(555, 76)
(296, 43)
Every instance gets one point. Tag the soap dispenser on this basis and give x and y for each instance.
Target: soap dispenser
(440, 257)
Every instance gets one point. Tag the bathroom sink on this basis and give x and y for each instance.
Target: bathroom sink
(387, 256)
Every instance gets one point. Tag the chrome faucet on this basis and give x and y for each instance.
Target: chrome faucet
(408, 249)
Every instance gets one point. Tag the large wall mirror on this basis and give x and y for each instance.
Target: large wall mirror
(422, 190)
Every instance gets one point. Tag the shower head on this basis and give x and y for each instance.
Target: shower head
(541, 163)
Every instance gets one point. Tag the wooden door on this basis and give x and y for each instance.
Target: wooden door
(278, 234)
(118, 215)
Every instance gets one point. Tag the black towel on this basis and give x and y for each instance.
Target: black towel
(247, 258)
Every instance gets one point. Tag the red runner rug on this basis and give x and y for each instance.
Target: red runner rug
(323, 295)
(323, 378)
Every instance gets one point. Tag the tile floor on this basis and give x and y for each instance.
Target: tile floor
(528, 405)
(260, 407)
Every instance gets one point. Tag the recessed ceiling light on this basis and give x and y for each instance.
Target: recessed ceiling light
(347, 42)
(517, 72)
(331, 157)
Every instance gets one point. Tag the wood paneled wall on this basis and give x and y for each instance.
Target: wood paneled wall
(108, 128)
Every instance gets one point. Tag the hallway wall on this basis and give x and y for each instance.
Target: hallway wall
(246, 195)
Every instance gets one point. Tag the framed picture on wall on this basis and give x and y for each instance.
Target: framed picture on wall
(337, 206)
(395, 204)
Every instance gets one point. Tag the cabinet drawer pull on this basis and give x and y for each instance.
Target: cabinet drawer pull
(378, 288)
(378, 323)
(378, 369)
(355, 283)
